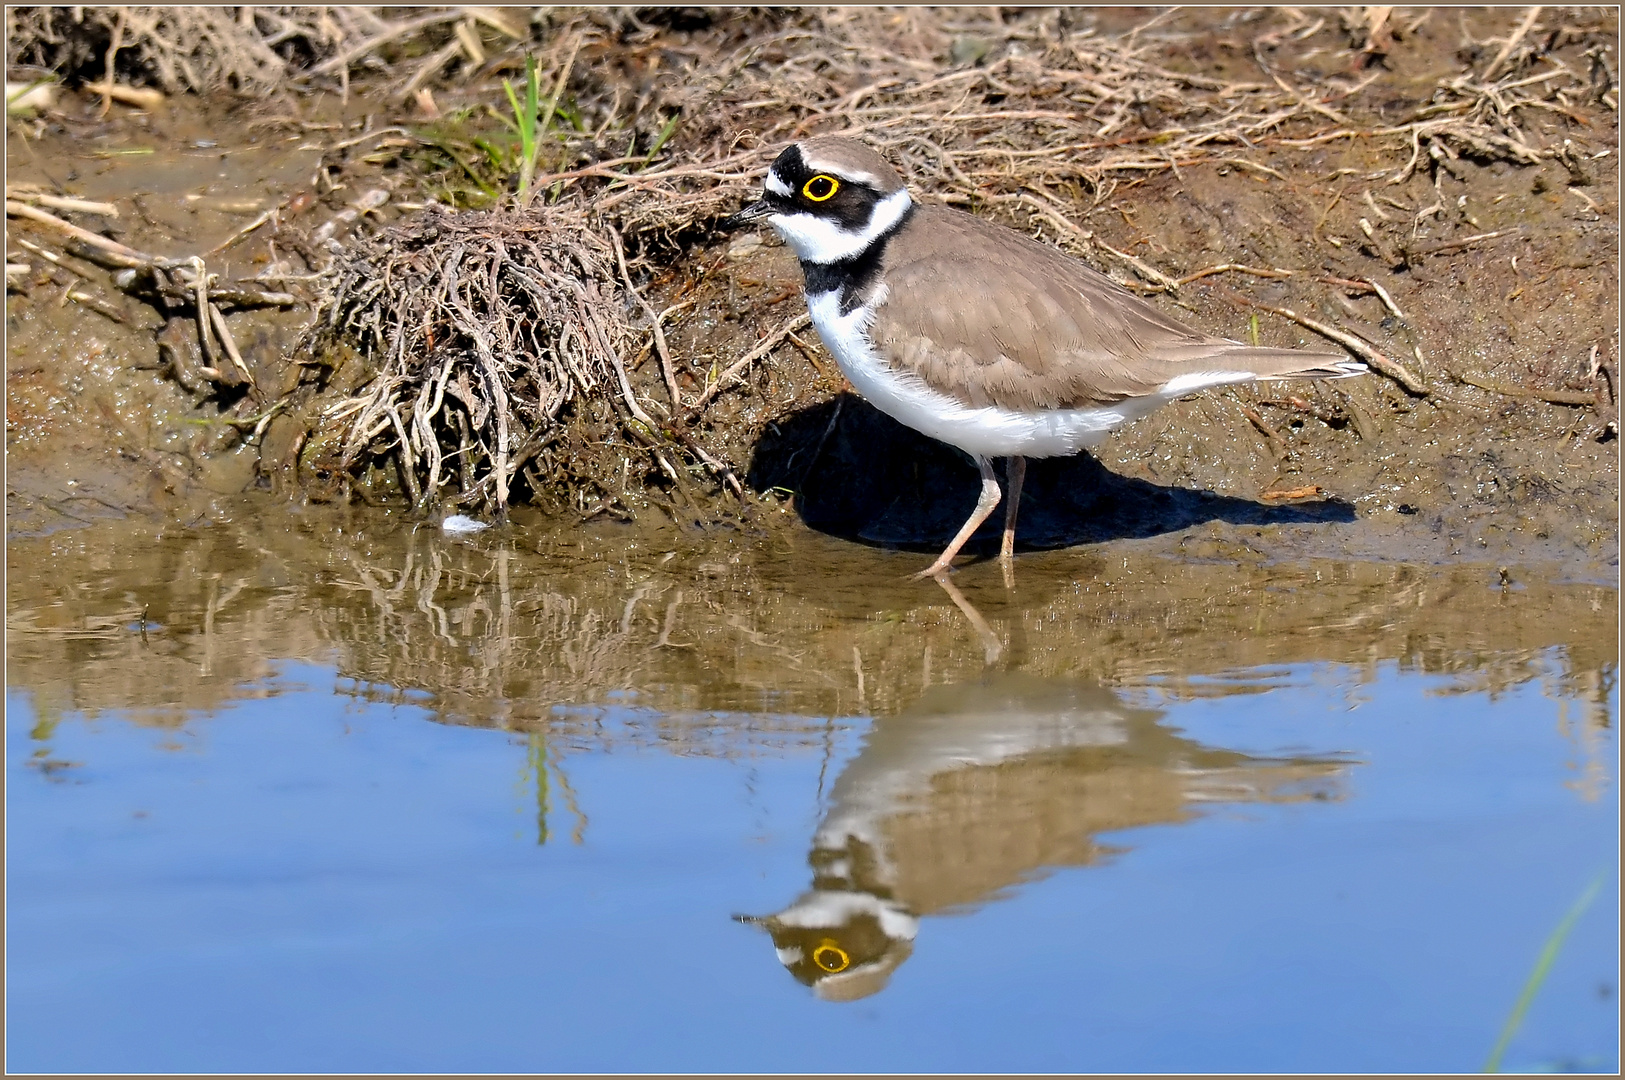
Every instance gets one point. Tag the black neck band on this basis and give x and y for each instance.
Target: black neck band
(855, 275)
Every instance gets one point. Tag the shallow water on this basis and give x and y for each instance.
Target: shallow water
(309, 790)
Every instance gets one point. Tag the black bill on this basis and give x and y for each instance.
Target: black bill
(756, 211)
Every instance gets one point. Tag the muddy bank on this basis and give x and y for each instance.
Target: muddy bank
(1406, 192)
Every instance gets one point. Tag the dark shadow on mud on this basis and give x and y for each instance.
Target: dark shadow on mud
(860, 475)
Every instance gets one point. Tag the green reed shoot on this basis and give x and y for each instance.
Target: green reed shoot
(1543, 967)
(526, 123)
(665, 134)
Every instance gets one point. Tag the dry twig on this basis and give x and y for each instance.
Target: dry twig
(1554, 397)
(738, 367)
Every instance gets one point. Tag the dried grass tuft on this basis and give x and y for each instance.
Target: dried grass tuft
(1041, 119)
(182, 48)
(484, 328)
(252, 50)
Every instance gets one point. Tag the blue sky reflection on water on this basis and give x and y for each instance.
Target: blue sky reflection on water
(308, 881)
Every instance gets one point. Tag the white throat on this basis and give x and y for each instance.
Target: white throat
(819, 240)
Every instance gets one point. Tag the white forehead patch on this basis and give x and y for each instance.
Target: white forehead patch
(827, 909)
(844, 172)
(775, 185)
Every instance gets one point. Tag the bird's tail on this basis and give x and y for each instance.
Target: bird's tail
(1267, 363)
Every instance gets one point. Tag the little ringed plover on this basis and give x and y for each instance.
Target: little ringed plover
(979, 336)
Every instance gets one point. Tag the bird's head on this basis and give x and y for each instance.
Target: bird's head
(845, 945)
(830, 198)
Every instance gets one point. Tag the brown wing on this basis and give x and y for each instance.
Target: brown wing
(984, 313)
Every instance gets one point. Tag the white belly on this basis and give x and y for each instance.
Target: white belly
(986, 432)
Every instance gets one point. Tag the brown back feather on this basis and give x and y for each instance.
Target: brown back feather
(986, 314)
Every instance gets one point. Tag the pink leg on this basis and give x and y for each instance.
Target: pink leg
(1016, 472)
(985, 505)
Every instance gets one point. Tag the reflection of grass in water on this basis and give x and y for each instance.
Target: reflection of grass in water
(536, 762)
(1543, 967)
(537, 765)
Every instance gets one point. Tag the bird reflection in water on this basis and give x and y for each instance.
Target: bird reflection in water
(978, 788)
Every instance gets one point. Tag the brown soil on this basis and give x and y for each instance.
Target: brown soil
(1505, 270)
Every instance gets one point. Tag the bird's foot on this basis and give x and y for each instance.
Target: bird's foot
(938, 570)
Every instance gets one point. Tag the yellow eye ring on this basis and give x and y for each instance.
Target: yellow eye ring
(829, 956)
(819, 181)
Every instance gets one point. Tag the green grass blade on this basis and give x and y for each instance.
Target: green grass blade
(533, 92)
(530, 132)
(525, 123)
(665, 133)
(1543, 966)
(498, 156)
(518, 121)
(23, 91)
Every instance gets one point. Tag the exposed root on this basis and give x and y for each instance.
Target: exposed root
(497, 339)
(177, 48)
(175, 287)
(251, 50)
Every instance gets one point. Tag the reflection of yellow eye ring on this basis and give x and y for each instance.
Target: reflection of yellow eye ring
(830, 957)
(821, 179)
